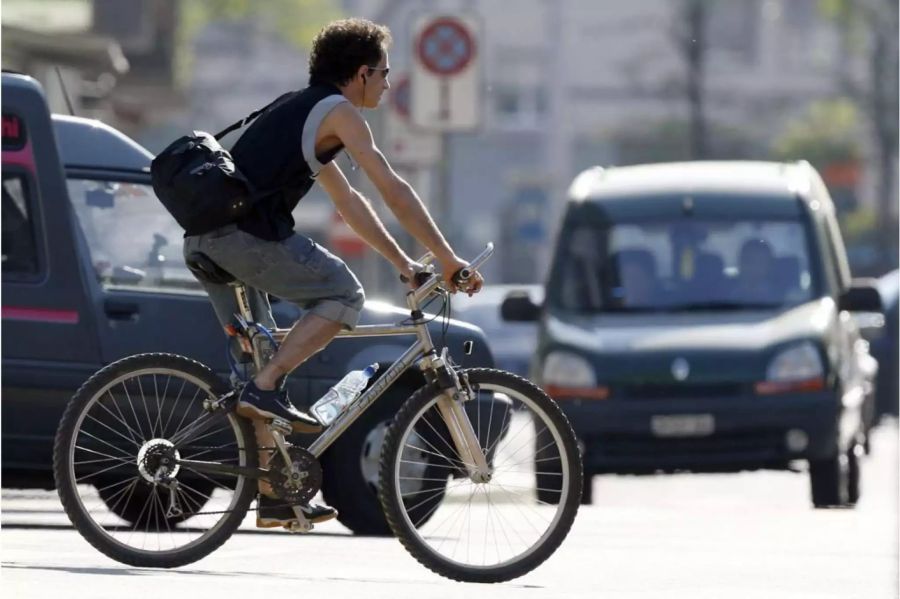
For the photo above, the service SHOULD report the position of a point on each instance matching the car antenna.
(62, 84)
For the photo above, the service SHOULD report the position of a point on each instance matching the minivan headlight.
(568, 375)
(796, 363)
(565, 369)
(798, 367)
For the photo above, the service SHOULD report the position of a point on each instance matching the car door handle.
(120, 309)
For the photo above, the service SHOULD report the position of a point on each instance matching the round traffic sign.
(446, 46)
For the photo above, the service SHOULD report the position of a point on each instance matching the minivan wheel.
(587, 490)
(853, 472)
(830, 481)
(547, 473)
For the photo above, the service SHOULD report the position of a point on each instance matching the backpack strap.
(249, 118)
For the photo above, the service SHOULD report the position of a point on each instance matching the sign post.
(446, 74)
(445, 85)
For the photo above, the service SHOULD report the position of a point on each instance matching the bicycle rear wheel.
(483, 531)
(124, 431)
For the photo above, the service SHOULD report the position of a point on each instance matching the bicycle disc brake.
(299, 481)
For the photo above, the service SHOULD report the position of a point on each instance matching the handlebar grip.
(462, 275)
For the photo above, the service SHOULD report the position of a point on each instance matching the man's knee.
(349, 290)
(345, 300)
(357, 299)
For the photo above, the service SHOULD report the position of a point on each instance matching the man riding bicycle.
(288, 148)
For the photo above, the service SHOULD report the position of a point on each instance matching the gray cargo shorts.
(297, 270)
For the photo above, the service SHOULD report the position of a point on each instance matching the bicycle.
(475, 456)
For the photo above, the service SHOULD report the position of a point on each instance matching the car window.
(134, 243)
(20, 254)
(684, 264)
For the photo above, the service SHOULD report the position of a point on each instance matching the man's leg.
(308, 335)
(303, 273)
(225, 305)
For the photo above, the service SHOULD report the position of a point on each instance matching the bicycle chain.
(256, 509)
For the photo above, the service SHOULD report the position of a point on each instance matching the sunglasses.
(386, 70)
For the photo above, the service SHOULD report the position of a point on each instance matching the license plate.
(683, 425)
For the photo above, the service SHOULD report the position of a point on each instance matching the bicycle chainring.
(298, 482)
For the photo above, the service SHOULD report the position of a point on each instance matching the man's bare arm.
(353, 131)
(357, 212)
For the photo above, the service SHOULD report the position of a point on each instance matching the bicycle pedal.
(299, 527)
(280, 425)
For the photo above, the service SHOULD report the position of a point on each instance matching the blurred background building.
(565, 84)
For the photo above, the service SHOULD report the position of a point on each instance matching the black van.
(696, 318)
(93, 271)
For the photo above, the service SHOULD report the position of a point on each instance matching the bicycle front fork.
(451, 406)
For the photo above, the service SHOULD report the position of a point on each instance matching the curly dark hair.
(341, 47)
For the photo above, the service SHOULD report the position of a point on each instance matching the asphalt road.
(678, 536)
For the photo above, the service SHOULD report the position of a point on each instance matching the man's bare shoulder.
(344, 114)
(347, 124)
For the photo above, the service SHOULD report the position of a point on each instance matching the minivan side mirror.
(862, 296)
(518, 307)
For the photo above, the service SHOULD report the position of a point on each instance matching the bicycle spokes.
(468, 522)
(130, 468)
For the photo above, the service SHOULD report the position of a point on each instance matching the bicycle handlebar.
(428, 280)
(477, 262)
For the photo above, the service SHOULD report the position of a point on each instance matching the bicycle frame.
(422, 351)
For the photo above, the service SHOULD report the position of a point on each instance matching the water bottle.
(342, 394)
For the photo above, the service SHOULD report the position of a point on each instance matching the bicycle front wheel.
(482, 531)
(117, 462)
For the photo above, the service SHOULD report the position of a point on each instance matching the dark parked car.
(697, 319)
(884, 347)
(93, 272)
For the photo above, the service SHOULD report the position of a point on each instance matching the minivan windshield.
(133, 242)
(684, 264)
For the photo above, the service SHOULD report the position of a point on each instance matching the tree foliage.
(827, 134)
(295, 21)
(869, 28)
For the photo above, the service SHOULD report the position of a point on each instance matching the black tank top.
(277, 152)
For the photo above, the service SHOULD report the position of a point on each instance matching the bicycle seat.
(205, 269)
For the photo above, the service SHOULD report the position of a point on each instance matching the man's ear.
(363, 72)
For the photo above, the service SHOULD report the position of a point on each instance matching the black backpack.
(197, 181)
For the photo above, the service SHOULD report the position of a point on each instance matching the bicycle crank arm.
(217, 468)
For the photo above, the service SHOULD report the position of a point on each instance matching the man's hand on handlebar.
(451, 270)
(457, 275)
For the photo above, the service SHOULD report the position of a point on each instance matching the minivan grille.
(681, 390)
